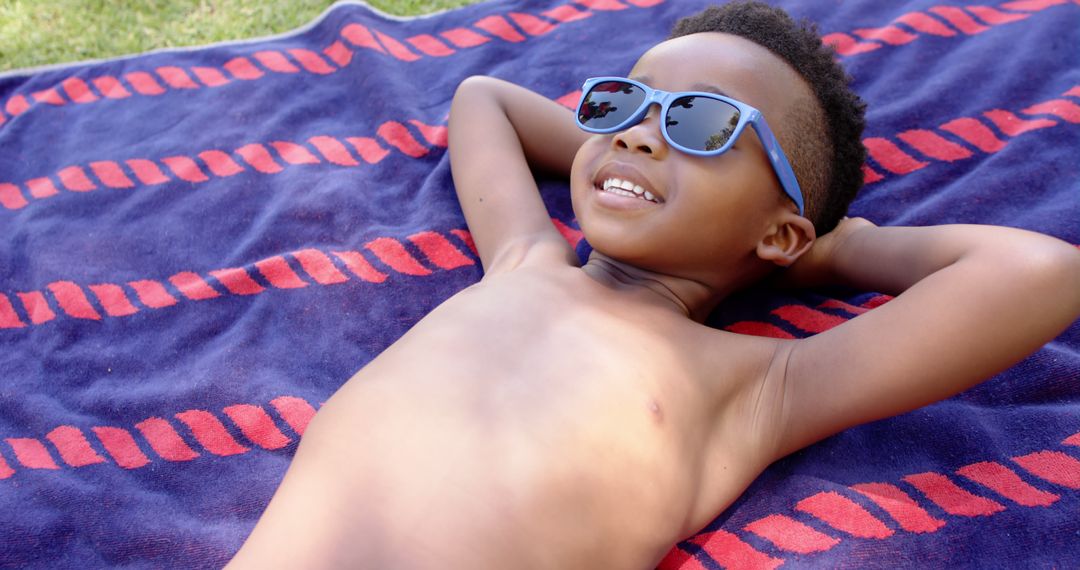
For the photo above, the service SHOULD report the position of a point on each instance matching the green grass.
(41, 32)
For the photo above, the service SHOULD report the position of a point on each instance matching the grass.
(41, 32)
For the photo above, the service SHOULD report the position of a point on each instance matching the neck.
(688, 297)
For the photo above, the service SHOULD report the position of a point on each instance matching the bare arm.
(972, 301)
(497, 130)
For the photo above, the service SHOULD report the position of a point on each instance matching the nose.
(644, 137)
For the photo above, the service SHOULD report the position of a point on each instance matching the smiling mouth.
(627, 189)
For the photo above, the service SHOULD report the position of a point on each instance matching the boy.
(552, 415)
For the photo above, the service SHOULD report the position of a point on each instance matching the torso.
(537, 419)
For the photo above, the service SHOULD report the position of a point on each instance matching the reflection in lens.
(609, 103)
(701, 123)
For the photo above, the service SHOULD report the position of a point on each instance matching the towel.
(201, 245)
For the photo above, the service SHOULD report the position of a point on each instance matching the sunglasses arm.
(778, 159)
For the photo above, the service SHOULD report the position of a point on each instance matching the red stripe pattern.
(732, 552)
(419, 254)
(787, 534)
(796, 321)
(295, 411)
(950, 497)
(360, 267)
(157, 438)
(963, 138)
(900, 506)
(393, 253)
(152, 294)
(74, 449)
(257, 426)
(73, 301)
(757, 328)
(791, 535)
(37, 307)
(74, 178)
(955, 140)
(1007, 483)
(316, 264)
(237, 281)
(121, 446)
(165, 441)
(511, 27)
(5, 469)
(843, 514)
(1053, 466)
(31, 453)
(272, 158)
(114, 300)
(9, 319)
(277, 271)
(192, 286)
(808, 319)
(937, 21)
(211, 433)
(440, 251)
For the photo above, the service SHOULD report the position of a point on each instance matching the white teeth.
(627, 188)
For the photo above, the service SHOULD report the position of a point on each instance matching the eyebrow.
(709, 88)
(696, 87)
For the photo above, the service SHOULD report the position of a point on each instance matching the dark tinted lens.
(700, 123)
(609, 103)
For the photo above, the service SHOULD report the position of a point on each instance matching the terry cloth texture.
(200, 246)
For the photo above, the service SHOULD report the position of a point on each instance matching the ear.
(790, 237)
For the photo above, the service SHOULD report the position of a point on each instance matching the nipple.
(656, 411)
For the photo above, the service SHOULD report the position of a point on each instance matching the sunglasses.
(697, 123)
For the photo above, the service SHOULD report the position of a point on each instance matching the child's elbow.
(1072, 261)
(473, 85)
(1056, 265)
(475, 97)
(471, 81)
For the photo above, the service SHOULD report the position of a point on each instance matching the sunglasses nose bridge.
(654, 97)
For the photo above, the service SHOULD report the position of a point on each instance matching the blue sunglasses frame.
(747, 116)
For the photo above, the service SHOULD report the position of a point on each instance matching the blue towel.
(201, 245)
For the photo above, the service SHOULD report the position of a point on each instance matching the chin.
(631, 252)
(619, 238)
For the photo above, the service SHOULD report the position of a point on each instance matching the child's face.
(710, 211)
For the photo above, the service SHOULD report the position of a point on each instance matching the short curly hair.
(828, 134)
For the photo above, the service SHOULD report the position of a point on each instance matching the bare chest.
(579, 414)
(550, 351)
